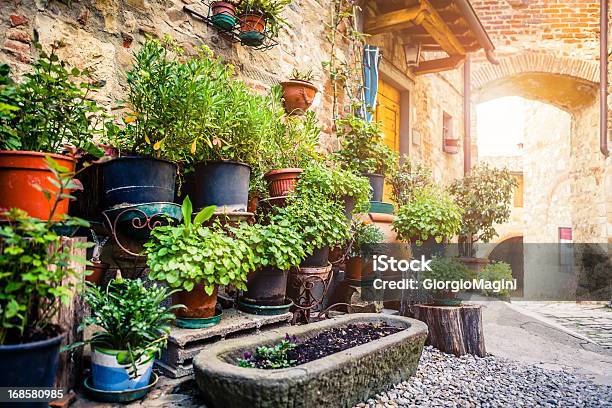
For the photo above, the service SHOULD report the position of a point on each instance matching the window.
(519, 190)
(447, 126)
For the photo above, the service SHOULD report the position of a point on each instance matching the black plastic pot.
(138, 180)
(319, 258)
(266, 287)
(30, 365)
(377, 184)
(221, 183)
(88, 203)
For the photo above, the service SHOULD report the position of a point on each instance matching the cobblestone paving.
(591, 320)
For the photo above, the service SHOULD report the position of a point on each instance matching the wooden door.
(388, 113)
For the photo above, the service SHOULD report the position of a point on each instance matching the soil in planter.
(331, 341)
(34, 334)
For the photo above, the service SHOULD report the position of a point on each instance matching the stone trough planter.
(338, 380)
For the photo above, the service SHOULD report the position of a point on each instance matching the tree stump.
(453, 329)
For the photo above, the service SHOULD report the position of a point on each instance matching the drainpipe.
(467, 117)
(603, 77)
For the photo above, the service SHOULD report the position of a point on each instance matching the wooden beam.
(439, 65)
(393, 21)
(439, 30)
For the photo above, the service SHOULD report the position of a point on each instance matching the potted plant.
(431, 214)
(288, 149)
(409, 178)
(364, 237)
(224, 14)
(485, 196)
(38, 275)
(451, 146)
(260, 18)
(196, 260)
(39, 117)
(133, 327)
(445, 269)
(364, 152)
(497, 273)
(161, 88)
(298, 92)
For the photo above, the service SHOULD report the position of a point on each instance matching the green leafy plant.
(49, 109)
(485, 196)
(336, 184)
(364, 238)
(266, 357)
(407, 179)
(132, 318)
(496, 272)
(188, 254)
(307, 76)
(36, 267)
(271, 10)
(431, 214)
(363, 148)
(447, 269)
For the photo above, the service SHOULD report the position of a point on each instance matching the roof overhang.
(451, 26)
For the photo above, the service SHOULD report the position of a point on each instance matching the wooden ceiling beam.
(439, 65)
(440, 31)
(393, 21)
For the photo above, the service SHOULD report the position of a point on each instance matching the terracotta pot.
(223, 7)
(98, 269)
(252, 22)
(451, 146)
(198, 303)
(252, 205)
(20, 171)
(298, 95)
(283, 181)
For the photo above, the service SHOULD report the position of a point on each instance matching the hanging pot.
(317, 259)
(198, 303)
(252, 27)
(298, 95)
(224, 184)
(224, 14)
(266, 287)
(108, 374)
(377, 184)
(138, 180)
(282, 182)
(20, 171)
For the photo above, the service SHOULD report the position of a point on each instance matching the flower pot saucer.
(119, 396)
(263, 310)
(199, 322)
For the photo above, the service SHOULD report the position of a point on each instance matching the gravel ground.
(443, 380)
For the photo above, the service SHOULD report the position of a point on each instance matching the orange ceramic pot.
(20, 171)
(198, 303)
(252, 22)
(281, 182)
(298, 95)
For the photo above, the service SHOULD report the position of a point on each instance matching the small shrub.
(497, 272)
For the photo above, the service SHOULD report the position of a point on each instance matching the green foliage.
(407, 179)
(336, 184)
(365, 236)
(48, 110)
(270, 357)
(485, 196)
(497, 272)
(307, 76)
(363, 148)
(430, 214)
(185, 255)
(34, 278)
(447, 269)
(271, 11)
(132, 319)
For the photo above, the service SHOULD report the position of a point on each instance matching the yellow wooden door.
(388, 113)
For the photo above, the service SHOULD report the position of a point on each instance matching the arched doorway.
(511, 252)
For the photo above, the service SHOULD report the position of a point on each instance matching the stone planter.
(338, 380)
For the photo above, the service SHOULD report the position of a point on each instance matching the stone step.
(185, 344)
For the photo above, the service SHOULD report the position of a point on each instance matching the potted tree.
(445, 269)
(298, 92)
(134, 329)
(364, 237)
(38, 275)
(485, 195)
(39, 117)
(161, 89)
(364, 152)
(260, 18)
(196, 260)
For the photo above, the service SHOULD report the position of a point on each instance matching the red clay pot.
(282, 181)
(298, 95)
(252, 22)
(223, 7)
(198, 303)
(356, 269)
(20, 171)
(98, 270)
(451, 146)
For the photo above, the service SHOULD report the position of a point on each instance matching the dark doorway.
(511, 252)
